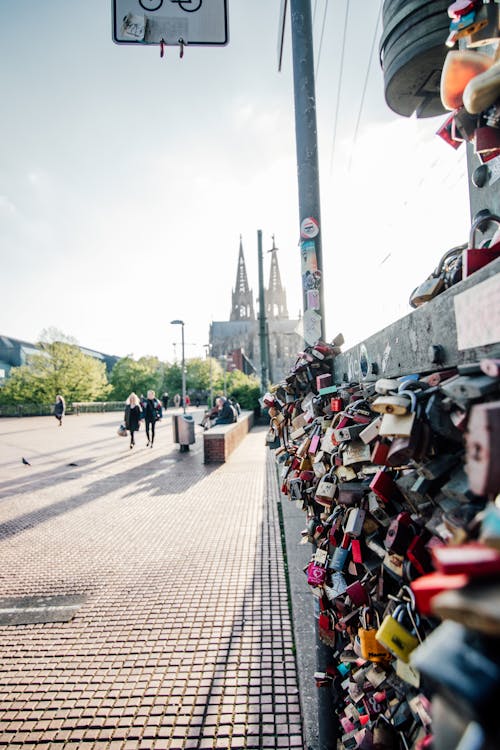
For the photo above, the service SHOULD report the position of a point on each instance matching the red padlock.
(336, 404)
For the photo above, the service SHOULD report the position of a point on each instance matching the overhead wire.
(321, 36)
(365, 86)
(339, 87)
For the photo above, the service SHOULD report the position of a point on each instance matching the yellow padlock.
(395, 637)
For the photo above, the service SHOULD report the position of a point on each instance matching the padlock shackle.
(477, 224)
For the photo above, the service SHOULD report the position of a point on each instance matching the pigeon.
(26, 463)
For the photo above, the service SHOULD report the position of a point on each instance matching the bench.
(220, 441)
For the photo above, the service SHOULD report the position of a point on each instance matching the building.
(14, 353)
(237, 339)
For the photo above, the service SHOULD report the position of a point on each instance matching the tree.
(60, 367)
(245, 389)
(128, 375)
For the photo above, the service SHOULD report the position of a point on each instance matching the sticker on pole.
(312, 327)
(309, 228)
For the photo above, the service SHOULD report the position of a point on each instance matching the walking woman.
(132, 416)
(152, 413)
(59, 409)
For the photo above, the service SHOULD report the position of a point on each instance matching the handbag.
(122, 431)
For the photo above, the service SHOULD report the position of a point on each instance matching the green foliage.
(245, 389)
(138, 376)
(60, 367)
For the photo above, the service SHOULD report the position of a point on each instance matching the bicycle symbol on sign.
(152, 5)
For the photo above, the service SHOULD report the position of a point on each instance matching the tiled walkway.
(184, 639)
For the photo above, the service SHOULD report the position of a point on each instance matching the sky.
(126, 179)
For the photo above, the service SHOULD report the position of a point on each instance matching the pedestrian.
(164, 399)
(188, 401)
(152, 414)
(177, 400)
(225, 412)
(59, 409)
(132, 417)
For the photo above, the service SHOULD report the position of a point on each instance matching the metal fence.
(44, 410)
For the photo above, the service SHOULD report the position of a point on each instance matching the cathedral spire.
(275, 293)
(242, 296)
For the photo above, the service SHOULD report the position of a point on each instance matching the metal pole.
(307, 170)
(262, 319)
(183, 374)
(311, 259)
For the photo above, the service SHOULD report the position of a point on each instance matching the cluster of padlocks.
(398, 479)
(470, 79)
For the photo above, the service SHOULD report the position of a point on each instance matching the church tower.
(275, 293)
(242, 296)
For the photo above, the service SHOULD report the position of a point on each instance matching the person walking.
(132, 416)
(59, 409)
(177, 400)
(164, 399)
(152, 414)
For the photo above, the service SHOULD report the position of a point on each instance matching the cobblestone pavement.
(182, 636)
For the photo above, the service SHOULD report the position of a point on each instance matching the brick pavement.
(184, 639)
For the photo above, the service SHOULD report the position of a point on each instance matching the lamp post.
(181, 323)
(209, 354)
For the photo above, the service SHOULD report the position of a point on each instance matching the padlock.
(326, 628)
(377, 511)
(326, 490)
(320, 468)
(370, 432)
(384, 735)
(316, 574)
(395, 636)
(482, 440)
(461, 8)
(399, 534)
(371, 649)
(466, 388)
(355, 452)
(488, 22)
(473, 559)
(451, 658)
(353, 521)
(350, 493)
(384, 386)
(336, 404)
(339, 557)
(384, 486)
(315, 441)
(391, 404)
(358, 593)
(348, 433)
(337, 586)
(323, 381)
(486, 140)
(345, 473)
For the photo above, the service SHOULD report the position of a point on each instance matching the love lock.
(475, 257)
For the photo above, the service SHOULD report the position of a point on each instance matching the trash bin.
(183, 428)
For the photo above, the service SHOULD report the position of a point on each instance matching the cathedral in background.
(237, 339)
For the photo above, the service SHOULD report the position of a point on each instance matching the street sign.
(170, 22)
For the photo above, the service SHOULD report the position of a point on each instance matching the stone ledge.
(220, 441)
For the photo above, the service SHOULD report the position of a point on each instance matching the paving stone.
(184, 629)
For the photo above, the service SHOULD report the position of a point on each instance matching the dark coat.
(152, 410)
(59, 409)
(132, 417)
(226, 415)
